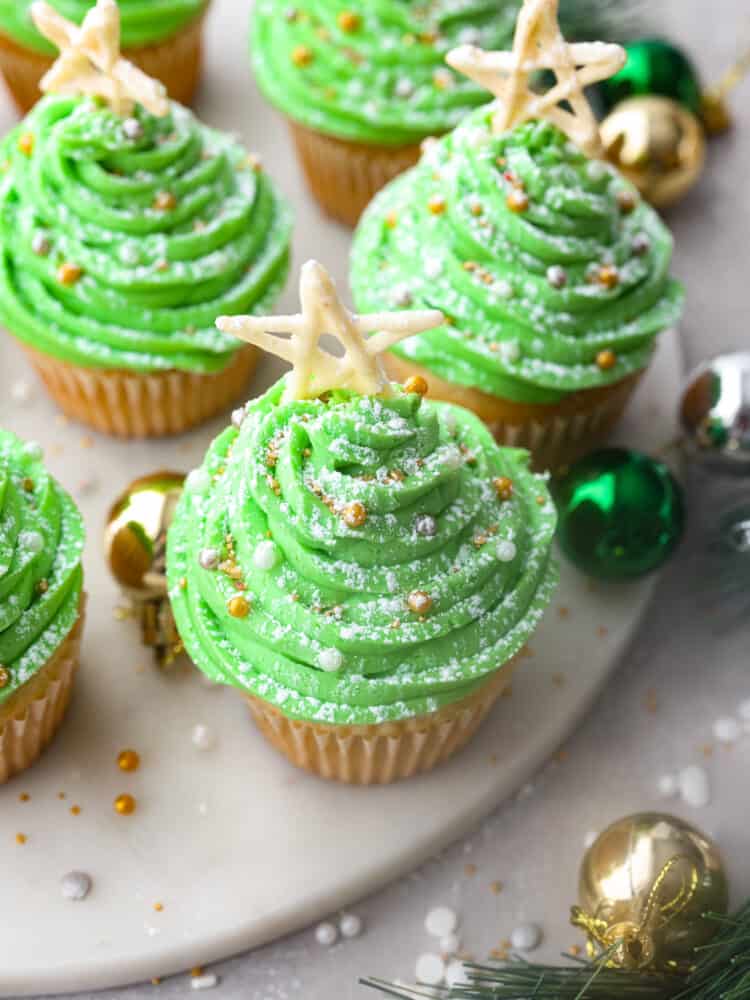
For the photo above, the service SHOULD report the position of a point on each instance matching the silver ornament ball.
(715, 412)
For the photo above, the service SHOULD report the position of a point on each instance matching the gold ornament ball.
(644, 885)
(657, 144)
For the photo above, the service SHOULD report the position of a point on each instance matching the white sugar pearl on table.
(727, 730)
(326, 934)
(526, 937)
(204, 982)
(667, 786)
(430, 969)
(694, 787)
(350, 925)
(440, 921)
(75, 885)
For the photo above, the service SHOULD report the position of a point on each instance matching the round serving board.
(235, 845)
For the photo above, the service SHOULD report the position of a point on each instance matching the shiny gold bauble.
(135, 542)
(644, 886)
(658, 144)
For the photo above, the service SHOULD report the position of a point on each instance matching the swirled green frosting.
(144, 22)
(381, 618)
(41, 539)
(533, 296)
(169, 224)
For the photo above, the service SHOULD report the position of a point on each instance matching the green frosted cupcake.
(41, 603)
(122, 241)
(163, 37)
(364, 567)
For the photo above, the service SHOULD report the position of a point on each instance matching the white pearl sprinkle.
(425, 525)
(132, 128)
(198, 480)
(727, 730)
(404, 87)
(326, 934)
(449, 944)
(350, 925)
(75, 885)
(441, 920)
(557, 276)
(430, 969)
(203, 737)
(205, 982)
(526, 937)
(503, 288)
(40, 244)
(667, 786)
(130, 253)
(509, 351)
(506, 551)
(238, 416)
(209, 558)
(694, 786)
(331, 660)
(265, 555)
(31, 540)
(33, 450)
(20, 391)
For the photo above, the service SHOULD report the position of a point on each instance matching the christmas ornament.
(658, 144)
(621, 514)
(715, 413)
(653, 66)
(135, 548)
(644, 885)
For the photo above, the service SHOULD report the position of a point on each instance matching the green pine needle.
(722, 972)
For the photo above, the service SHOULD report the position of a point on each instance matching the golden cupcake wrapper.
(381, 753)
(32, 715)
(556, 434)
(345, 176)
(176, 61)
(136, 405)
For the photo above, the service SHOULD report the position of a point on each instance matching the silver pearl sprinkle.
(208, 558)
(40, 244)
(425, 525)
(132, 129)
(557, 276)
(75, 885)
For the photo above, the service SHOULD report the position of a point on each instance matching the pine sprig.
(722, 972)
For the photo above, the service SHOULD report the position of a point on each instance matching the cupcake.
(364, 565)
(551, 271)
(163, 37)
(41, 603)
(124, 236)
(361, 84)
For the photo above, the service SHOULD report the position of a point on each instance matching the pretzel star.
(315, 371)
(538, 44)
(90, 61)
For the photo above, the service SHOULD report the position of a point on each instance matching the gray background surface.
(690, 660)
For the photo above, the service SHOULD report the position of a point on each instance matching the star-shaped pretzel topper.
(315, 371)
(539, 45)
(90, 61)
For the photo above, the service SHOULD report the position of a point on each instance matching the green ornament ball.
(621, 514)
(653, 66)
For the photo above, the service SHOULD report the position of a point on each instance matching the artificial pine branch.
(722, 972)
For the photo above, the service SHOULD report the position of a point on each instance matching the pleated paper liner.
(385, 752)
(136, 405)
(176, 61)
(32, 715)
(556, 434)
(345, 176)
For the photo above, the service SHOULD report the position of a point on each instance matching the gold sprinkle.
(606, 360)
(125, 805)
(541, 501)
(608, 276)
(503, 487)
(419, 602)
(627, 201)
(416, 384)
(24, 797)
(26, 144)
(165, 201)
(61, 795)
(354, 514)
(436, 204)
(602, 631)
(302, 55)
(496, 887)
(238, 607)
(21, 838)
(563, 612)
(68, 274)
(158, 907)
(517, 200)
(348, 21)
(196, 971)
(75, 810)
(391, 219)
(42, 586)
(128, 760)
(27, 484)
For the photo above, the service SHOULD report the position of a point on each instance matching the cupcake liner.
(176, 61)
(344, 176)
(32, 716)
(556, 434)
(381, 753)
(136, 405)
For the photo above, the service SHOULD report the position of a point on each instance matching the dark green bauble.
(653, 66)
(621, 514)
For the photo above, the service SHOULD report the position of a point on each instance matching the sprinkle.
(608, 276)
(430, 969)
(132, 129)
(158, 907)
(436, 204)
(694, 788)
(40, 244)
(506, 551)
(326, 934)
(416, 384)
(526, 937)
(667, 786)
(391, 219)
(202, 737)
(204, 982)
(75, 810)
(419, 602)
(31, 540)
(354, 514)
(330, 660)
(125, 805)
(606, 360)
(404, 88)
(443, 79)
(496, 888)
(238, 606)
(165, 201)
(208, 558)
(727, 730)
(26, 143)
(503, 487)
(75, 886)
(128, 760)
(21, 838)
(557, 276)
(68, 274)
(302, 55)
(350, 925)
(440, 921)
(348, 21)
(517, 200)
(627, 201)
(265, 555)
(641, 244)
(425, 525)
(24, 797)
